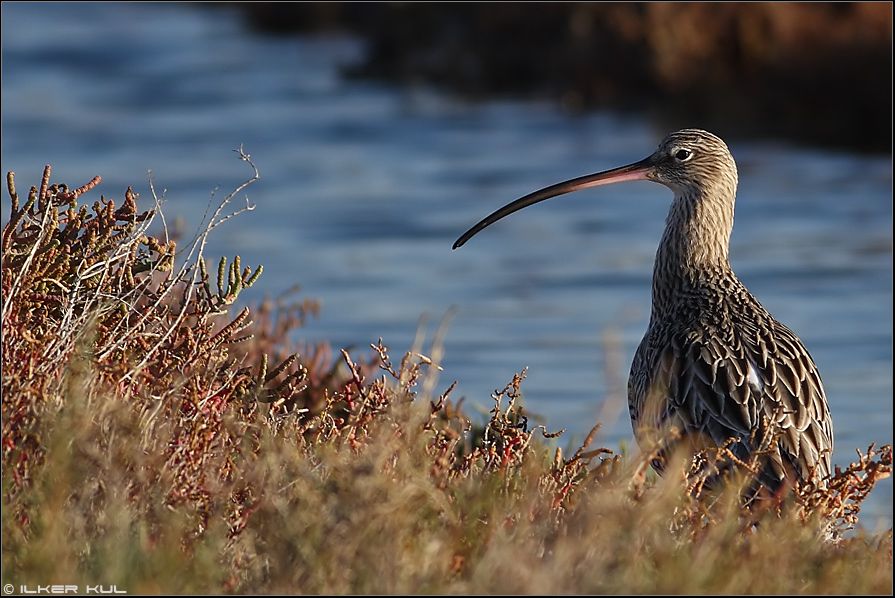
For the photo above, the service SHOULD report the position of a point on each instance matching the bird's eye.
(682, 155)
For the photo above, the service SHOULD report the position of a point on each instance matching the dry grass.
(153, 441)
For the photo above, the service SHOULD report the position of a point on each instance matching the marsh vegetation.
(158, 436)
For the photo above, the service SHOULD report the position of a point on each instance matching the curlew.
(714, 364)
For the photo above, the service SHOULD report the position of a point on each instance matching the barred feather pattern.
(713, 362)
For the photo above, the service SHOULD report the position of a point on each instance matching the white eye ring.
(682, 154)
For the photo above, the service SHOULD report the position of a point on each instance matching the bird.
(714, 366)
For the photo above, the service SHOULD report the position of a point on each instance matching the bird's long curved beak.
(632, 172)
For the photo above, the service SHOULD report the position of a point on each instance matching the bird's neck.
(694, 248)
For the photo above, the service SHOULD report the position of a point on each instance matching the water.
(365, 187)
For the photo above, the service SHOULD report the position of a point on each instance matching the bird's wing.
(792, 388)
(747, 385)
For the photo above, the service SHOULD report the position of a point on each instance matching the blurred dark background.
(806, 71)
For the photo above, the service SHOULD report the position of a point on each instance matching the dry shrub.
(154, 441)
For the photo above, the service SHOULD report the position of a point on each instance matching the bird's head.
(691, 160)
(688, 162)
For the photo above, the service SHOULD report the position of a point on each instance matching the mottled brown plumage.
(714, 364)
